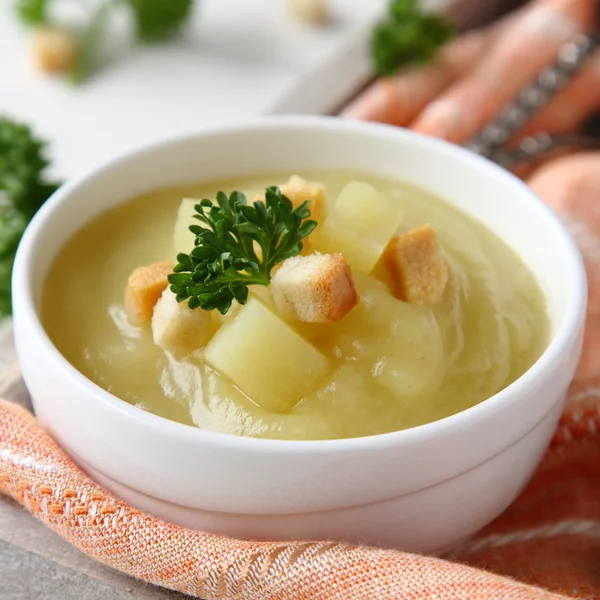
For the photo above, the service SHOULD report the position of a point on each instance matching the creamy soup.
(388, 364)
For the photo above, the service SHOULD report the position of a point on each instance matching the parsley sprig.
(154, 21)
(33, 12)
(407, 36)
(23, 189)
(224, 261)
(158, 20)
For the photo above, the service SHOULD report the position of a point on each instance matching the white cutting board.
(239, 58)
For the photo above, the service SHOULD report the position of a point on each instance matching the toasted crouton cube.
(54, 49)
(317, 288)
(417, 266)
(298, 190)
(144, 287)
(177, 328)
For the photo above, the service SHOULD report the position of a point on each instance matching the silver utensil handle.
(571, 58)
(536, 147)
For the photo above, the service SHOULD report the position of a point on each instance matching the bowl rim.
(564, 336)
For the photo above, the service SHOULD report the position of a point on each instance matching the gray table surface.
(35, 563)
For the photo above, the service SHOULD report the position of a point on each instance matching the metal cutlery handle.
(571, 58)
(535, 147)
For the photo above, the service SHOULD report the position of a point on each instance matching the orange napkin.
(549, 538)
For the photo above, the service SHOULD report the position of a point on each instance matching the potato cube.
(177, 328)
(183, 238)
(261, 292)
(54, 50)
(360, 226)
(265, 358)
(417, 266)
(144, 287)
(314, 289)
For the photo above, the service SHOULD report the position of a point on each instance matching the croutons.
(417, 266)
(54, 50)
(144, 287)
(317, 288)
(310, 11)
(177, 328)
(298, 190)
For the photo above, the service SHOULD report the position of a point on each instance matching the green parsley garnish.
(154, 21)
(224, 262)
(23, 189)
(158, 20)
(33, 12)
(408, 36)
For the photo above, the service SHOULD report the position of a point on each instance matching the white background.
(238, 58)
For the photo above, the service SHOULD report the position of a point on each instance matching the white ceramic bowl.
(422, 489)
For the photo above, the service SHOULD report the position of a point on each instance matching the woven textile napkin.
(546, 546)
(550, 537)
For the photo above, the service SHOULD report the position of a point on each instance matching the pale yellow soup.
(392, 365)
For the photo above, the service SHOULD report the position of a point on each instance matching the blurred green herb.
(33, 12)
(155, 21)
(23, 189)
(158, 20)
(407, 36)
(88, 44)
(224, 261)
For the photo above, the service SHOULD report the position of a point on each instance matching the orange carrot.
(398, 100)
(571, 186)
(522, 51)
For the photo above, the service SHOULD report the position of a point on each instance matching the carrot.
(521, 52)
(398, 100)
(571, 186)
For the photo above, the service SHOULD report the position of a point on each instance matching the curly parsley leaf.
(408, 36)
(224, 261)
(12, 226)
(22, 162)
(23, 189)
(154, 20)
(158, 20)
(33, 12)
